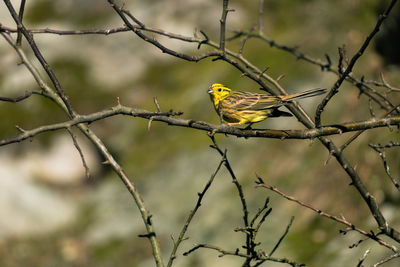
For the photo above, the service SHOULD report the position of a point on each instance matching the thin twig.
(237, 253)
(191, 215)
(381, 151)
(384, 84)
(387, 259)
(85, 166)
(283, 236)
(260, 211)
(164, 49)
(360, 261)
(236, 183)
(20, 98)
(354, 137)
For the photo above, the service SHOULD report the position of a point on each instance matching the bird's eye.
(219, 89)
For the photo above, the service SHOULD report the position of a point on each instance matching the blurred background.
(51, 214)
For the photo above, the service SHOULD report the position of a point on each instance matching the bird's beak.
(210, 90)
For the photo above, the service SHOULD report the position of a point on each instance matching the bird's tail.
(305, 94)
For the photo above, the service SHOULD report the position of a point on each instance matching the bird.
(246, 108)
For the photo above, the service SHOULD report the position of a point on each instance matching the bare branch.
(354, 137)
(41, 59)
(69, 32)
(237, 253)
(20, 98)
(153, 41)
(360, 262)
(191, 215)
(380, 149)
(384, 84)
(342, 220)
(169, 118)
(283, 236)
(236, 183)
(87, 172)
(89, 118)
(335, 89)
(387, 259)
(62, 103)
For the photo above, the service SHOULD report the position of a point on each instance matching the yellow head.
(218, 92)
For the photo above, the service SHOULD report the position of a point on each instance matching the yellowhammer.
(238, 108)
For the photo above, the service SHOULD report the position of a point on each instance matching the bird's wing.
(252, 101)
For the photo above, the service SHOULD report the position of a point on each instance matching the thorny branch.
(243, 255)
(39, 56)
(335, 89)
(387, 259)
(191, 214)
(238, 61)
(381, 151)
(342, 220)
(237, 184)
(254, 73)
(170, 118)
(62, 101)
(87, 172)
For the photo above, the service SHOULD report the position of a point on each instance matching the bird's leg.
(221, 118)
(248, 127)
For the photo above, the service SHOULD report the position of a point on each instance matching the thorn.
(20, 129)
(280, 77)
(157, 105)
(149, 124)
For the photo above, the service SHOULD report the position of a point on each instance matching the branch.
(360, 261)
(157, 44)
(357, 134)
(87, 172)
(380, 149)
(41, 59)
(385, 260)
(20, 98)
(191, 215)
(170, 119)
(335, 89)
(237, 253)
(63, 104)
(80, 119)
(381, 100)
(222, 21)
(283, 236)
(384, 84)
(238, 187)
(260, 183)
(69, 32)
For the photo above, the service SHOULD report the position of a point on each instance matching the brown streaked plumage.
(238, 108)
